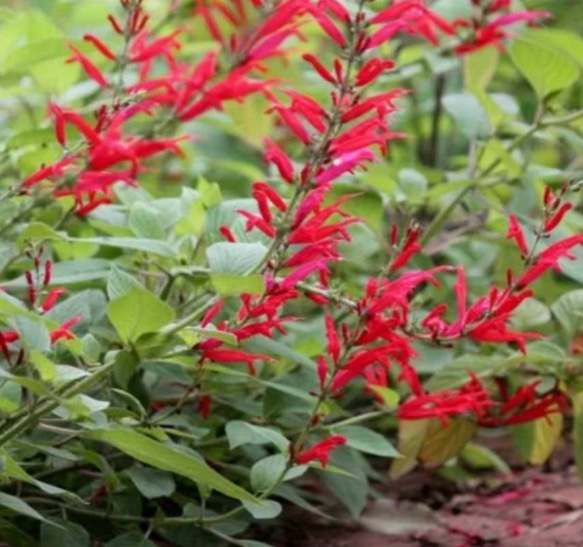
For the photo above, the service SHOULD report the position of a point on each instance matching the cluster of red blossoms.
(305, 228)
(41, 298)
(490, 22)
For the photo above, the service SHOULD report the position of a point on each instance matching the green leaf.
(235, 258)
(46, 368)
(240, 433)
(442, 442)
(413, 183)
(266, 472)
(67, 534)
(252, 543)
(36, 52)
(215, 334)
(37, 232)
(457, 373)
(138, 312)
(151, 452)
(368, 441)
(130, 539)
(229, 284)
(481, 457)
(10, 396)
(479, 68)
(119, 283)
(568, 43)
(351, 490)
(13, 536)
(14, 471)
(262, 344)
(33, 334)
(568, 309)
(10, 306)
(152, 483)
(135, 244)
(124, 367)
(468, 114)
(389, 396)
(145, 221)
(531, 313)
(536, 440)
(411, 436)
(19, 506)
(546, 68)
(264, 510)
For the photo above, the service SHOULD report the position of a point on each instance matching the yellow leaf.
(411, 436)
(536, 440)
(444, 442)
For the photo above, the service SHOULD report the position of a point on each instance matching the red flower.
(549, 259)
(320, 451)
(91, 69)
(64, 330)
(334, 346)
(52, 298)
(515, 232)
(234, 356)
(277, 156)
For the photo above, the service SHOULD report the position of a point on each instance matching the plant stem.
(445, 213)
(29, 420)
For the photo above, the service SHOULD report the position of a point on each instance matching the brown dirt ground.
(530, 508)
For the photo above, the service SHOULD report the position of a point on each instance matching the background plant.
(212, 218)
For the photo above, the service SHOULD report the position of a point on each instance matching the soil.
(529, 508)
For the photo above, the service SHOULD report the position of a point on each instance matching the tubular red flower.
(515, 232)
(276, 155)
(52, 298)
(321, 451)
(100, 46)
(235, 356)
(91, 69)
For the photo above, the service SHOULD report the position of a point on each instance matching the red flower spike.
(321, 451)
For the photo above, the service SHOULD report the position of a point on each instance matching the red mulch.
(531, 508)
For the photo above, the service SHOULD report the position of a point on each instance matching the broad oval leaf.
(546, 68)
(138, 312)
